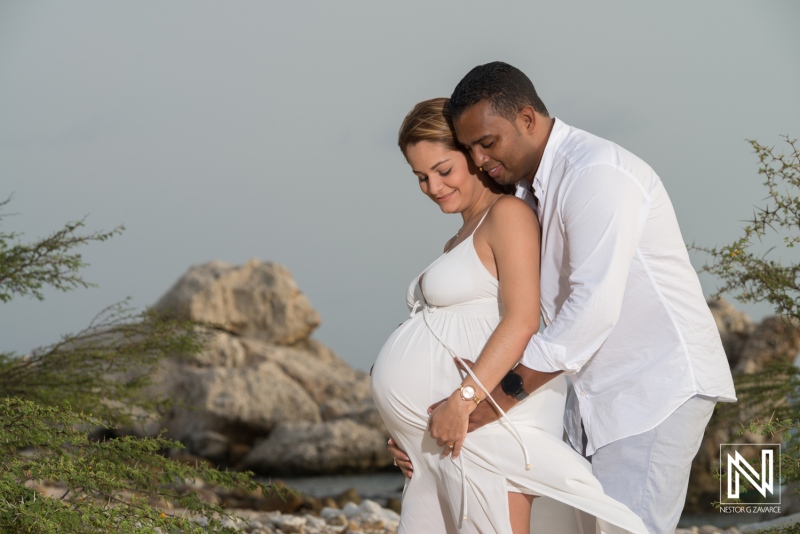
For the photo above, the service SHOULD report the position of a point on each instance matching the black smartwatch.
(512, 385)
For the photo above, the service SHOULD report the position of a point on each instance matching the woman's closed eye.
(423, 178)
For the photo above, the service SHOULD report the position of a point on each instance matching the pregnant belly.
(413, 369)
(412, 372)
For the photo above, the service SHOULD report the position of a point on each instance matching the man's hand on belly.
(400, 458)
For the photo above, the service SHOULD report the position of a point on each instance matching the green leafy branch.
(122, 484)
(752, 276)
(105, 368)
(52, 400)
(26, 268)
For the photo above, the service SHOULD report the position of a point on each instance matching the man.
(624, 313)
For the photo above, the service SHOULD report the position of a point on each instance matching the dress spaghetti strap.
(484, 216)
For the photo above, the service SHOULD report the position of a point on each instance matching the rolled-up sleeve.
(603, 211)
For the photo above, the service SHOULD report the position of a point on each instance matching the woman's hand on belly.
(449, 421)
(485, 413)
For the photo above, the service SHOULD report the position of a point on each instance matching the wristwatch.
(468, 394)
(512, 385)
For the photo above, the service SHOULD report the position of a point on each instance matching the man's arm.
(603, 216)
(486, 413)
(531, 380)
(603, 213)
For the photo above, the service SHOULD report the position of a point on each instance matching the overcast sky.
(237, 130)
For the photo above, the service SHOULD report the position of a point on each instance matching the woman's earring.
(480, 168)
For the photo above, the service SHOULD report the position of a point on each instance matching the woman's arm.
(508, 244)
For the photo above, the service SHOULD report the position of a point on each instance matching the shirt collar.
(557, 134)
(525, 194)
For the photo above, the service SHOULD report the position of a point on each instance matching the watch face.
(511, 383)
(467, 392)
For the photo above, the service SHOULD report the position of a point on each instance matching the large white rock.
(235, 400)
(257, 299)
(328, 447)
(734, 327)
(774, 339)
(221, 350)
(322, 374)
(261, 382)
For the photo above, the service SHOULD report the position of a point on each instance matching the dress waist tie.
(426, 309)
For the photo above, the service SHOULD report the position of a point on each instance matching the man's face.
(503, 148)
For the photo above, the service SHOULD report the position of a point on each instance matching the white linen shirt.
(624, 312)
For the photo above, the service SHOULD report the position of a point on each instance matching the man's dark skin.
(509, 151)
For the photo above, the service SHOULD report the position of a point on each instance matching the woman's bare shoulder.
(509, 208)
(509, 218)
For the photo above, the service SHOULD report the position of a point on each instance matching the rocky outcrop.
(734, 327)
(772, 340)
(263, 394)
(258, 300)
(303, 447)
(749, 348)
(253, 398)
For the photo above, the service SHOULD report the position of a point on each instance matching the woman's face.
(445, 175)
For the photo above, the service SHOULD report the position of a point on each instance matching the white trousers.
(649, 472)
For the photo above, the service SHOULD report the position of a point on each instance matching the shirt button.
(582, 393)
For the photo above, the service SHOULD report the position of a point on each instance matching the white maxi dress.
(455, 306)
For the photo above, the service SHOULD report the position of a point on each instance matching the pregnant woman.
(478, 302)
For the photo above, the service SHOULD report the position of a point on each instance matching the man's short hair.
(506, 88)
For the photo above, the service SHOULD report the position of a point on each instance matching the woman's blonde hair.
(430, 120)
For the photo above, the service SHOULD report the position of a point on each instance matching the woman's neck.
(484, 200)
